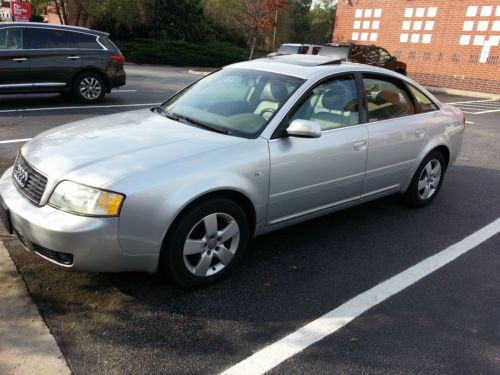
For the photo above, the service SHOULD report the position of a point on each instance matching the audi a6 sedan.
(253, 147)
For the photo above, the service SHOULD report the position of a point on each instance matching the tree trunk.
(254, 42)
(58, 11)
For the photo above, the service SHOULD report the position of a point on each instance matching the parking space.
(445, 322)
(479, 107)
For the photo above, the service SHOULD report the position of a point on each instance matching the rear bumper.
(117, 80)
(71, 241)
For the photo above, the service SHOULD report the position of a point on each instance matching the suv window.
(50, 39)
(358, 54)
(372, 55)
(86, 41)
(332, 105)
(384, 56)
(425, 104)
(11, 38)
(386, 99)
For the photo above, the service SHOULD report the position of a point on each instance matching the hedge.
(179, 53)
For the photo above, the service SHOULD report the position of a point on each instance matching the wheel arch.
(234, 195)
(95, 71)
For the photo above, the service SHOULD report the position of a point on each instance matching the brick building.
(446, 43)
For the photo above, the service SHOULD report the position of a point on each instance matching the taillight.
(118, 58)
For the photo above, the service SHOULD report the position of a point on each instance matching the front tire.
(427, 181)
(89, 88)
(206, 243)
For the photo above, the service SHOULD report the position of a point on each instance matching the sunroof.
(303, 60)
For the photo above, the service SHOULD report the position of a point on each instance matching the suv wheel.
(427, 180)
(89, 88)
(206, 243)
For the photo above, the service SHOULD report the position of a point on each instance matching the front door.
(14, 61)
(314, 174)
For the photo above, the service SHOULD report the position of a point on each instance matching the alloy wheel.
(211, 244)
(429, 179)
(90, 88)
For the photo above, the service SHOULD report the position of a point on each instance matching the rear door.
(396, 133)
(14, 60)
(56, 58)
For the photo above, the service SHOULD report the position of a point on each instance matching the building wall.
(440, 40)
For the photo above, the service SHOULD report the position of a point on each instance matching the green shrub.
(179, 53)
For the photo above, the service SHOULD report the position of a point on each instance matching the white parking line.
(274, 354)
(118, 91)
(79, 107)
(15, 141)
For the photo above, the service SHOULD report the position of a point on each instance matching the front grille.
(28, 180)
(61, 258)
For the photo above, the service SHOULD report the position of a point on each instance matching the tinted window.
(11, 38)
(386, 99)
(425, 104)
(332, 105)
(86, 41)
(384, 56)
(50, 39)
(358, 55)
(334, 52)
(372, 55)
(287, 49)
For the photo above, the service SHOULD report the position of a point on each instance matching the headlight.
(85, 200)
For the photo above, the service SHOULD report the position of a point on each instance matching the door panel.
(14, 60)
(57, 57)
(396, 134)
(308, 175)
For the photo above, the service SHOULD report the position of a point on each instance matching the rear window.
(50, 39)
(86, 41)
(335, 52)
(288, 50)
(109, 44)
(11, 38)
(425, 104)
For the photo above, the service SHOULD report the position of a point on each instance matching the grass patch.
(179, 53)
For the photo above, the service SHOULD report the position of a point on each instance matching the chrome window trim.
(48, 84)
(16, 85)
(54, 28)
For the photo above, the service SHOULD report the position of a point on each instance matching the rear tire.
(89, 88)
(427, 181)
(206, 243)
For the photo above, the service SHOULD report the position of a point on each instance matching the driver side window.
(11, 38)
(332, 105)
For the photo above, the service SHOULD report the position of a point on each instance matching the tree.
(322, 21)
(258, 16)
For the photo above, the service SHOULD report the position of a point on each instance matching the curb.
(26, 344)
(474, 94)
(200, 72)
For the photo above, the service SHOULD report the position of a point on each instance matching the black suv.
(364, 54)
(41, 58)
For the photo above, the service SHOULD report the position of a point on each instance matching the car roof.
(55, 27)
(304, 66)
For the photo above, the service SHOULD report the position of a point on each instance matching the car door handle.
(20, 59)
(420, 133)
(73, 57)
(360, 145)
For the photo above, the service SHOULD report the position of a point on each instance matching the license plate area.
(5, 217)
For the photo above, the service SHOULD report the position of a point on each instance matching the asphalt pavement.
(446, 323)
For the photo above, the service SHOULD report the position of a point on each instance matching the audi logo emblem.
(21, 175)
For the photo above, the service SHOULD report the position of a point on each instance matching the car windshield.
(238, 102)
(334, 52)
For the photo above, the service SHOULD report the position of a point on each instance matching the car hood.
(99, 150)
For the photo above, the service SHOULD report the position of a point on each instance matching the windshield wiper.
(166, 113)
(201, 124)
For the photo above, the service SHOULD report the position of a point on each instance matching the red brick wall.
(441, 57)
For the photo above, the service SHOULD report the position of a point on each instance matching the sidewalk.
(26, 345)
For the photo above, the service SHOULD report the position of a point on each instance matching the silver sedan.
(254, 147)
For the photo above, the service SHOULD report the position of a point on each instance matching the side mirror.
(304, 129)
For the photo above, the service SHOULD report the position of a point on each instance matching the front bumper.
(72, 241)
